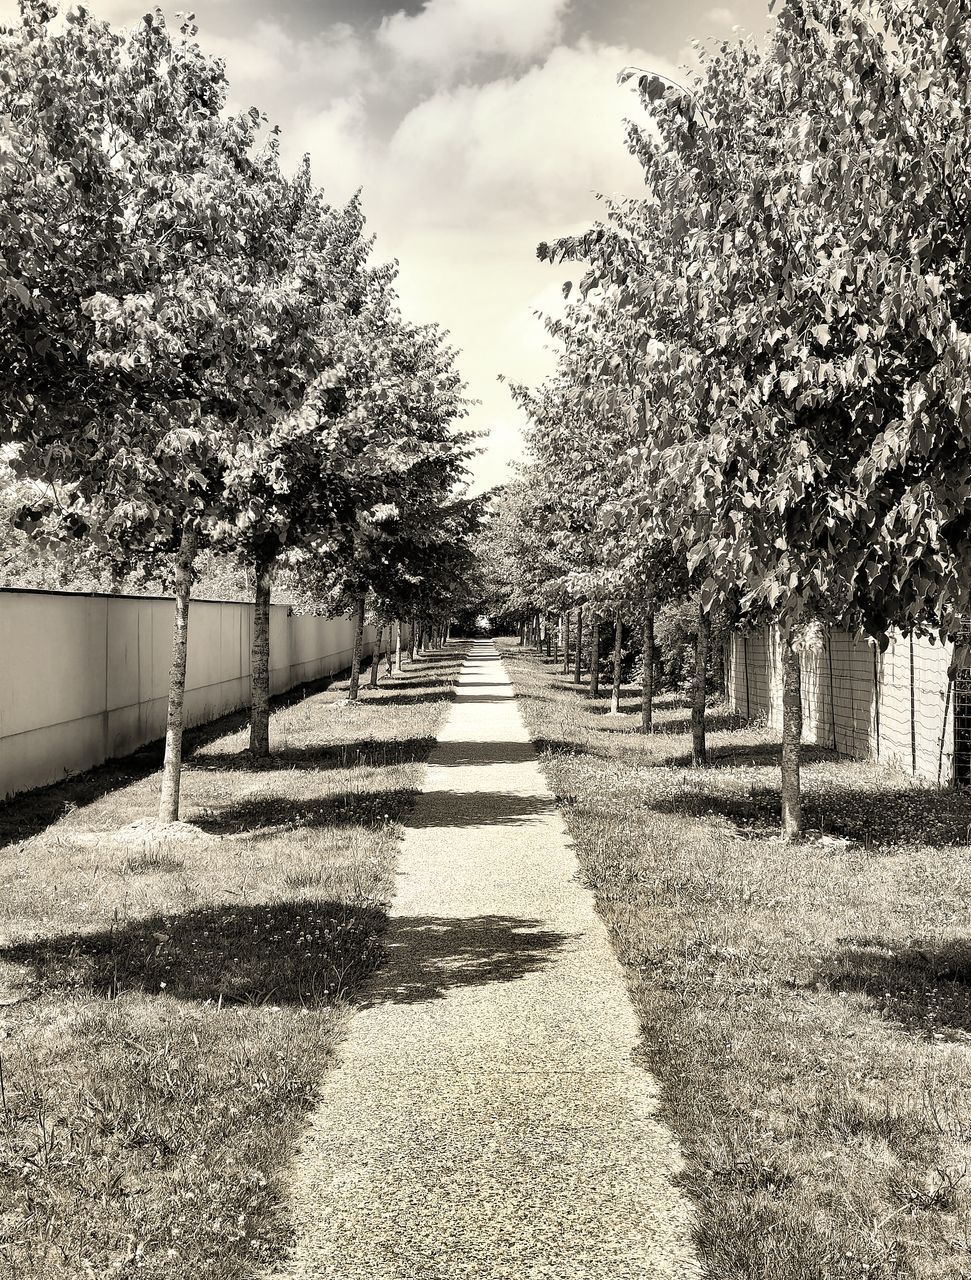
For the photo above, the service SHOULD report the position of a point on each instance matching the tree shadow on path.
(446, 809)
(464, 754)
(428, 956)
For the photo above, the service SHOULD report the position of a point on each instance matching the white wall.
(84, 678)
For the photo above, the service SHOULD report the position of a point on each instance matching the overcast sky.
(477, 128)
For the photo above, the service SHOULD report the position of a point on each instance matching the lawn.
(167, 1011)
(806, 1009)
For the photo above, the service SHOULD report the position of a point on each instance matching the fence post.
(832, 690)
(947, 707)
(748, 699)
(913, 711)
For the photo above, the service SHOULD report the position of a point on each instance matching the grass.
(806, 1009)
(167, 1010)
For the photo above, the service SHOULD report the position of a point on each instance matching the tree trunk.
(376, 660)
(578, 670)
(791, 740)
(566, 643)
(522, 633)
(549, 639)
(259, 723)
(699, 688)
(594, 656)
(168, 805)
(398, 653)
(618, 654)
(647, 685)
(355, 684)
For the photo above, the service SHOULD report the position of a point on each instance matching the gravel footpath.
(487, 1119)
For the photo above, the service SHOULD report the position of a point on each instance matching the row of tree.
(762, 392)
(201, 355)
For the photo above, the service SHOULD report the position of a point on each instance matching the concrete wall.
(893, 707)
(84, 678)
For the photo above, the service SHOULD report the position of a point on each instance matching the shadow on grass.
(367, 753)
(564, 747)
(431, 663)
(293, 953)
(299, 952)
(753, 755)
(875, 819)
(438, 692)
(719, 722)
(253, 815)
(924, 987)
(370, 753)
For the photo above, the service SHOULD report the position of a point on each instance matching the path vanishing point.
(487, 1118)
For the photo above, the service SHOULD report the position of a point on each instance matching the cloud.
(450, 35)
(313, 69)
(343, 154)
(524, 150)
(722, 17)
(470, 181)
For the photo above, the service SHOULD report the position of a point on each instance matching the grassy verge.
(166, 1011)
(806, 1009)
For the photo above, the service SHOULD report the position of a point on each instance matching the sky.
(476, 128)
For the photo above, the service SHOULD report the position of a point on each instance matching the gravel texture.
(488, 1119)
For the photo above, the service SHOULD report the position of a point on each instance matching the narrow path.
(487, 1119)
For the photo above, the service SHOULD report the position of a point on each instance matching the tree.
(142, 312)
(304, 476)
(405, 391)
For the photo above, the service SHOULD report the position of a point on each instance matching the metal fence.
(906, 707)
